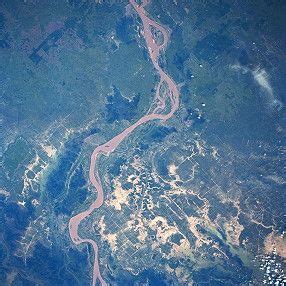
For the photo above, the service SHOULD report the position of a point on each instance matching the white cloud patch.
(261, 77)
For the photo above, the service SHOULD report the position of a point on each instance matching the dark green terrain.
(196, 200)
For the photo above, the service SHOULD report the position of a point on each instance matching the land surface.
(142, 142)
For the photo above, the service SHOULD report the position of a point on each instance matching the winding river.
(167, 100)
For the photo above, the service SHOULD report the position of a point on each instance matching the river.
(160, 102)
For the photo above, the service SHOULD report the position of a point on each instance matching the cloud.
(261, 77)
(238, 67)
